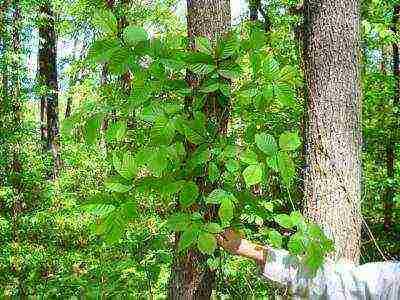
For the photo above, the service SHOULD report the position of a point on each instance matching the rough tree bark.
(48, 78)
(391, 146)
(333, 138)
(190, 278)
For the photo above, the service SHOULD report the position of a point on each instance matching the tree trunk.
(48, 78)
(253, 6)
(391, 147)
(190, 276)
(333, 137)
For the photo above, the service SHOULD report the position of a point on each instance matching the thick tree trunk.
(190, 277)
(391, 147)
(48, 78)
(333, 138)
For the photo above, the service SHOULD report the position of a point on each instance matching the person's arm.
(236, 244)
(276, 264)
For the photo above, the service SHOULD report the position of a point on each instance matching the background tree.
(333, 137)
(48, 79)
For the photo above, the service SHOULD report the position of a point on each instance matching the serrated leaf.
(189, 194)
(225, 211)
(188, 237)
(179, 222)
(203, 45)
(133, 35)
(206, 243)
(289, 141)
(253, 174)
(249, 157)
(266, 143)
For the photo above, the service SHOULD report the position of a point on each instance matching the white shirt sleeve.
(334, 280)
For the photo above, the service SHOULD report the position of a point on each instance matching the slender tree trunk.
(3, 62)
(253, 6)
(72, 81)
(391, 146)
(333, 139)
(190, 276)
(48, 78)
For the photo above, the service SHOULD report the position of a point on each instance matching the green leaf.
(179, 222)
(113, 185)
(266, 143)
(249, 157)
(102, 50)
(92, 127)
(213, 172)
(106, 21)
(286, 168)
(297, 218)
(202, 69)
(285, 94)
(232, 165)
(133, 35)
(228, 46)
(188, 237)
(206, 243)
(116, 131)
(112, 227)
(217, 196)
(225, 211)
(295, 244)
(284, 220)
(127, 168)
(271, 68)
(225, 89)
(275, 239)
(203, 45)
(210, 88)
(189, 194)
(213, 228)
(163, 130)
(289, 141)
(273, 163)
(253, 174)
(158, 161)
(232, 73)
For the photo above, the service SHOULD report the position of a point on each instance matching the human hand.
(230, 240)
